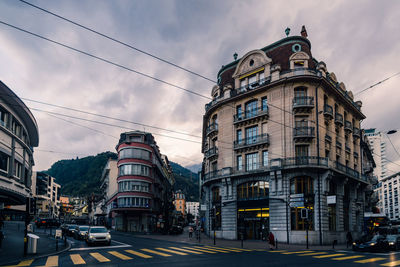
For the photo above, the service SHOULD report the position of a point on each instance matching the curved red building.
(145, 182)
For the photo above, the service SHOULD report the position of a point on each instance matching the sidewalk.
(251, 244)
(12, 249)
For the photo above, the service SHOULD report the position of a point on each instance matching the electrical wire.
(117, 41)
(393, 145)
(380, 82)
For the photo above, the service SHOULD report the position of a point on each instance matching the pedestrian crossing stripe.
(172, 251)
(77, 259)
(329, 255)
(52, 261)
(99, 257)
(23, 263)
(226, 249)
(392, 263)
(186, 250)
(119, 255)
(279, 251)
(312, 254)
(347, 258)
(156, 252)
(370, 260)
(242, 249)
(214, 249)
(202, 250)
(297, 252)
(139, 254)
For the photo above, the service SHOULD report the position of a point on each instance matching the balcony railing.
(347, 170)
(328, 110)
(212, 128)
(251, 141)
(304, 132)
(328, 138)
(303, 102)
(355, 154)
(252, 86)
(249, 114)
(339, 118)
(347, 126)
(338, 144)
(217, 174)
(211, 152)
(356, 132)
(347, 149)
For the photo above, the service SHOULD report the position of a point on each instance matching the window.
(239, 112)
(242, 84)
(133, 202)
(17, 169)
(302, 185)
(265, 158)
(239, 163)
(16, 128)
(301, 154)
(4, 161)
(262, 76)
(134, 169)
(300, 92)
(125, 186)
(239, 136)
(135, 153)
(216, 204)
(264, 103)
(135, 138)
(251, 109)
(251, 161)
(251, 135)
(253, 190)
(252, 81)
(4, 115)
(332, 217)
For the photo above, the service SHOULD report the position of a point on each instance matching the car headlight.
(372, 244)
(108, 236)
(91, 237)
(354, 243)
(391, 243)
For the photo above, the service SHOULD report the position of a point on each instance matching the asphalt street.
(128, 250)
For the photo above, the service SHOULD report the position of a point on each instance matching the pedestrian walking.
(271, 241)
(349, 239)
(190, 231)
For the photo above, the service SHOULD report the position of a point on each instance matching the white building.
(193, 208)
(389, 195)
(47, 193)
(378, 147)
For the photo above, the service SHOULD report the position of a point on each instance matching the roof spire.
(287, 31)
(304, 31)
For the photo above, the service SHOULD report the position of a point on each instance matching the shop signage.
(296, 200)
(331, 200)
(203, 207)
(296, 204)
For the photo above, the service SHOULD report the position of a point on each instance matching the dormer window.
(298, 64)
(299, 60)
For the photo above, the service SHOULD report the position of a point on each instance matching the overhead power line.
(378, 83)
(118, 41)
(105, 60)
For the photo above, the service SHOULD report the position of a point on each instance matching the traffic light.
(212, 212)
(32, 205)
(304, 213)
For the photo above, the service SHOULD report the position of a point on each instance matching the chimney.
(304, 31)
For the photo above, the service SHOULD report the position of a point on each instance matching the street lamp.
(391, 132)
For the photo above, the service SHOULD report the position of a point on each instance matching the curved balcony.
(328, 111)
(212, 152)
(339, 119)
(348, 127)
(217, 174)
(251, 116)
(252, 142)
(303, 133)
(356, 132)
(212, 129)
(303, 104)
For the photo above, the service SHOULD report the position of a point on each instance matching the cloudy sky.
(358, 40)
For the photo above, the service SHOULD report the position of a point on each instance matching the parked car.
(98, 234)
(80, 231)
(377, 243)
(71, 229)
(176, 230)
(393, 242)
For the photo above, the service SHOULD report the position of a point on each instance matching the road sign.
(58, 233)
(296, 204)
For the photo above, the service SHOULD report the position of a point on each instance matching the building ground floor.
(289, 203)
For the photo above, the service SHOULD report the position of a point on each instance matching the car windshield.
(376, 238)
(71, 226)
(83, 228)
(391, 238)
(98, 230)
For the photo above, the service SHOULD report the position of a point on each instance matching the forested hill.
(81, 176)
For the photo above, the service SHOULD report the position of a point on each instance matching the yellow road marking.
(52, 261)
(172, 251)
(187, 250)
(226, 249)
(139, 254)
(243, 249)
(77, 259)
(392, 263)
(329, 256)
(99, 257)
(348, 258)
(277, 250)
(214, 249)
(312, 254)
(371, 260)
(23, 263)
(156, 252)
(119, 255)
(297, 252)
(202, 250)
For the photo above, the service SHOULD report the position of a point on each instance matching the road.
(127, 250)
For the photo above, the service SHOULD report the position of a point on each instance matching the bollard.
(56, 243)
(276, 243)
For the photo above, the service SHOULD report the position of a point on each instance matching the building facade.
(280, 135)
(18, 135)
(378, 148)
(388, 192)
(109, 188)
(47, 195)
(144, 198)
(180, 202)
(193, 208)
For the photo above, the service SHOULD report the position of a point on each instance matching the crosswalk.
(111, 256)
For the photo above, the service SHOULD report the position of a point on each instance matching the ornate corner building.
(282, 134)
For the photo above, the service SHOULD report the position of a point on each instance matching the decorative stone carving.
(299, 56)
(342, 86)
(215, 91)
(253, 60)
(333, 77)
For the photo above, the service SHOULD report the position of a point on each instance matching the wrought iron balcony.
(356, 132)
(355, 154)
(217, 174)
(251, 86)
(338, 144)
(262, 139)
(347, 149)
(211, 152)
(347, 170)
(328, 138)
(303, 132)
(339, 119)
(348, 127)
(212, 128)
(328, 111)
(303, 103)
(250, 114)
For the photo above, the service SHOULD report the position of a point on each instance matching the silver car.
(98, 234)
(81, 231)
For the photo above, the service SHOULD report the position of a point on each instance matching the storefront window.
(302, 185)
(216, 204)
(253, 190)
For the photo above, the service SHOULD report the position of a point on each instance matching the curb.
(40, 256)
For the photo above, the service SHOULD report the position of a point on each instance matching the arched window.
(253, 190)
(303, 188)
